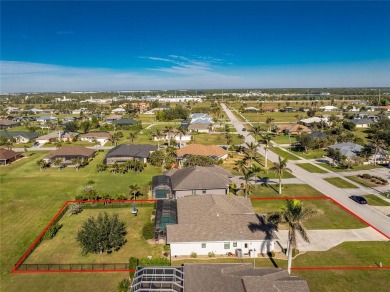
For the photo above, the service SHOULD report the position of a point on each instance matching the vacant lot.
(64, 248)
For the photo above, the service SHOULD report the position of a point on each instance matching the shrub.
(153, 262)
(167, 247)
(211, 254)
(52, 231)
(194, 255)
(133, 263)
(148, 231)
(75, 209)
(124, 285)
(103, 233)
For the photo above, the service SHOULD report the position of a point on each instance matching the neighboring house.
(329, 108)
(124, 122)
(270, 108)
(294, 129)
(57, 136)
(101, 137)
(46, 119)
(219, 224)
(66, 120)
(348, 149)
(318, 135)
(212, 151)
(157, 109)
(366, 115)
(81, 110)
(112, 118)
(6, 124)
(67, 153)
(362, 123)
(36, 111)
(195, 180)
(19, 136)
(119, 111)
(251, 109)
(312, 120)
(227, 277)
(200, 127)
(8, 156)
(174, 135)
(385, 108)
(126, 152)
(201, 118)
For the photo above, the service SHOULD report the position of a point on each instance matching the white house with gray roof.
(219, 224)
(347, 149)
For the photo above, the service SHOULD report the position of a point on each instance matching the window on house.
(234, 244)
(203, 191)
(203, 245)
(246, 245)
(194, 192)
(226, 245)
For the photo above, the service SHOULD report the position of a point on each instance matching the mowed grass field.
(29, 198)
(331, 215)
(64, 248)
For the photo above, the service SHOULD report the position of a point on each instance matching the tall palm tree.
(131, 137)
(248, 174)
(251, 151)
(293, 214)
(256, 130)
(377, 144)
(279, 168)
(266, 139)
(269, 121)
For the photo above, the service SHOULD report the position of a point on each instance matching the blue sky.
(119, 45)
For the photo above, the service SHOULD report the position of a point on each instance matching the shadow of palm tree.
(268, 228)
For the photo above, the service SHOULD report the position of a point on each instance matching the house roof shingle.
(131, 150)
(240, 278)
(198, 177)
(7, 154)
(215, 218)
(78, 151)
(28, 135)
(96, 135)
(203, 150)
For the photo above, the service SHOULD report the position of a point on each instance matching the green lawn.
(340, 183)
(64, 248)
(29, 198)
(375, 201)
(284, 139)
(361, 181)
(214, 139)
(332, 216)
(284, 154)
(355, 168)
(311, 168)
(347, 254)
(313, 154)
(288, 190)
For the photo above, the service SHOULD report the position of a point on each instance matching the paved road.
(367, 213)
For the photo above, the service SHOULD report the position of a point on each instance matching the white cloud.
(185, 73)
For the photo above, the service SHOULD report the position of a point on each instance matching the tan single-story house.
(294, 129)
(66, 154)
(101, 137)
(212, 151)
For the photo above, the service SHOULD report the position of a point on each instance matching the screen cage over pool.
(166, 213)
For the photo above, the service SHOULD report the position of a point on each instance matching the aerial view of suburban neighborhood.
(195, 146)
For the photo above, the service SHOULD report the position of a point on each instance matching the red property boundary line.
(33, 245)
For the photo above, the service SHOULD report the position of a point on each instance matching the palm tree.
(76, 162)
(269, 121)
(41, 163)
(58, 162)
(279, 168)
(256, 130)
(133, 191)
(377, 144)
(293, 214)
(251, 151)
(157, 135)
(247, 174)
(131, 137)
(266, 139)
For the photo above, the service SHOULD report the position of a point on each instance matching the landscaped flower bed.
(373, 179)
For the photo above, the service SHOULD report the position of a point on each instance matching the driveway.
(321, 240)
